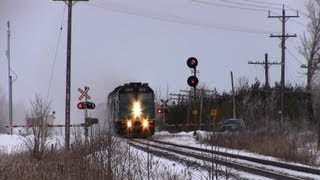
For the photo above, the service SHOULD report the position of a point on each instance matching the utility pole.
(201, 108)
(189, 104)
(10, 78)
(70, 3)
(283, 38)
(266, 65)
(233, 97)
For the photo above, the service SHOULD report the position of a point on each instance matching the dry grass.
(288, 146)
(56, 164)
(105, 158)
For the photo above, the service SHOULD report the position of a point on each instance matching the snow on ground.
(188, 139)
(17, 141)
(10, 143)
(165, 167)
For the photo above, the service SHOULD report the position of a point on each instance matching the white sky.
(111, 46)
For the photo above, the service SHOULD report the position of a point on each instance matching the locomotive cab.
(133, 107)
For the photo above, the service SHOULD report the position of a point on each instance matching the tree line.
(255, 103)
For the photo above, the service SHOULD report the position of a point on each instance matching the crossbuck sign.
(84, 93)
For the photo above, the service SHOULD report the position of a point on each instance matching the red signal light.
(192, 62)
(159, 110)
(193, 81)
(86, 105)
(81, 105)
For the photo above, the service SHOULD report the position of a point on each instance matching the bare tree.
(38, 117)
(310, 49)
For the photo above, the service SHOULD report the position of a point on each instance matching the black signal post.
(88, 120)
(193, 81)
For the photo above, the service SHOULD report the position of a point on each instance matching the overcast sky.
(116, 41)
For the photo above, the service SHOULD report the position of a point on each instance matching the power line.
(303, 13)
(15, 75)
(247, 8)
(253, 5)
(184, 21)
(271, 3)
(169, 17)
(56, 52)
(292, 20)
(11, 70)
(230, 6)
(263, 2)
(294, 57)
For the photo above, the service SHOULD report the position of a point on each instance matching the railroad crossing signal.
(163, 108)
(90, 121)
(90, 105)
(160, 111)
(84, 93)
(86, 105)
(164, 102)
(81, 105)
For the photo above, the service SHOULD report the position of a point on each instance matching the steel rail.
(246, 168)
(252, 159)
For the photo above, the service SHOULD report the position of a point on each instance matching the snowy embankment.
(17, 143)
(10, 143)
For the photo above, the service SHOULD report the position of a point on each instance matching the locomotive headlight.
(145, 123)
(129, 124)
(136, 110)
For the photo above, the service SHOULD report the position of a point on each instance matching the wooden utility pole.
(201, 107)
(266, 65)
(9, 78)
(189, 104)
(283, 18)
(233, 97)
(70, 3)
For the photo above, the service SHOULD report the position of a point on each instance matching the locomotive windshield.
(140, 96)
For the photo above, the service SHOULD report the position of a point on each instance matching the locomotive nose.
(136, 109)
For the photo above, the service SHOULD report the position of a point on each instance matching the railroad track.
(157, 151)
(260, 167)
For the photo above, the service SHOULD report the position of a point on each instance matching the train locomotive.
(131, 110)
